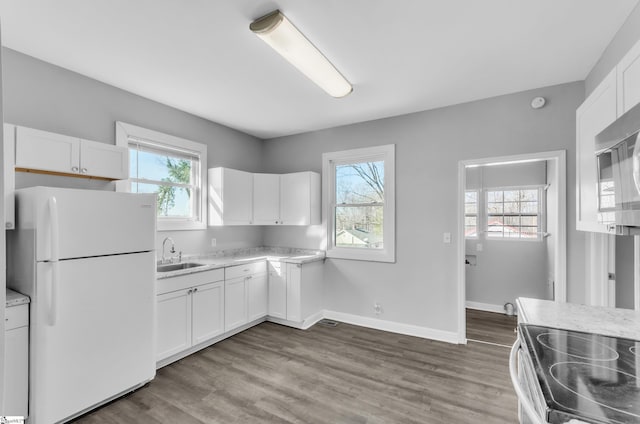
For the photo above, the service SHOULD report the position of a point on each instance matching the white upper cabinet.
(595, 114)
(242, 198)
(43, 151)
(300, 198)
(230, 197)
(266, 199)
(628, 79)
(103, 160)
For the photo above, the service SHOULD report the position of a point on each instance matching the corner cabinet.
(46, 152)
(295, 293)
(190, 312)
(230, 197)
(595, 114)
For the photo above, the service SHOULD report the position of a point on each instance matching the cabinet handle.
(195, 290)
(189, 291)
(75, 169)
(276, 222)
(84, 170)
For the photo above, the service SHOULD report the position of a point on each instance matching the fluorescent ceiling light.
(276, 30)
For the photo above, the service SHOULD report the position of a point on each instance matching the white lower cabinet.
(246, 294)
(190, 315)
(16, 350)
(277, 290)
(295, 292)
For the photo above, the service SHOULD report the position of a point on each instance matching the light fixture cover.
(279, 33)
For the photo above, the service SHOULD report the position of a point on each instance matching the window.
(471, 214)
(172, 167)
(514, 213)
(360, 203)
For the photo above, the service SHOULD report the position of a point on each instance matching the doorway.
(509, 204)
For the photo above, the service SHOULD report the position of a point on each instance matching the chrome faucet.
(173, 249)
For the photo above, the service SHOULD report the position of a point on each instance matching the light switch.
(447, 238)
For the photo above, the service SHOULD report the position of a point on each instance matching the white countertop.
(14, 298)
(614, 322)
(227, 261)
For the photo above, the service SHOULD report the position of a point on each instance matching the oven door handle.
(526, 403)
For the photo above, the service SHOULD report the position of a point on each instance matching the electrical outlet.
(479, 247)
(213, 242)
(446, 238)
(377, 308)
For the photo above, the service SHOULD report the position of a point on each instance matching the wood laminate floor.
(347, 374)
(491, 327)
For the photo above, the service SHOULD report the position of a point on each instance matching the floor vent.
(328, 323)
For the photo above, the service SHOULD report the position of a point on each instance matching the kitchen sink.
(176, 267)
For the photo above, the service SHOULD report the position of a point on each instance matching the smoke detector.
(538, 102)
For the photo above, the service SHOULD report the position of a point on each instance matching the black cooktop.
(586, 376)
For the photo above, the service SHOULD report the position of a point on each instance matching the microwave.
(618, 174)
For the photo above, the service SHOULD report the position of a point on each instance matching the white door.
(235, 303)
(173, 323)
(266, 199)
(207, 311)
(258, 296)
(92, 333)
(277, 290)
(104, 160)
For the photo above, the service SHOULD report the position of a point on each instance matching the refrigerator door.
(87, 222)
(102, 341)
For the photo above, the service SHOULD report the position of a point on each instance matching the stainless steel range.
(581, 376)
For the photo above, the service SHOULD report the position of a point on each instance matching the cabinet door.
(47, 151)
(207, 311)
(596, 113)
(235, 303)
(9, 145)
(294, 312)
(266, 199)
(230, 197)
(257, 296)
(628, 80)
(300, 198)
(104, 160)
(277, 291)
(173, 323)
(16, 378)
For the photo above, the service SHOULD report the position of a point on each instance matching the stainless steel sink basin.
(176, 267)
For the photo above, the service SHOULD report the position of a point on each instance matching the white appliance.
(86, 258)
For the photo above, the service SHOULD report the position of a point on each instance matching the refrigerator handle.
(53, 289)
(55, 234)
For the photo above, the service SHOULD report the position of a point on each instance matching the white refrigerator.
(86, 258)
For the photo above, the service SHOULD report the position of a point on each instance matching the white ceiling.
(401, 56)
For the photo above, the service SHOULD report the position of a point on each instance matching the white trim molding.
(384, 153)
(125, 132)
(394, 327)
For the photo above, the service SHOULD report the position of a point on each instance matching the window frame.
(541, 214)
(477, 215)
(384, 153)
(125, 132)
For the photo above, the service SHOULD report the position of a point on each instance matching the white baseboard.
(394, 327)
(487, 307)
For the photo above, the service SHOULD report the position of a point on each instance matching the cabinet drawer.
(244, 270)
(16, 316)
(181, 282)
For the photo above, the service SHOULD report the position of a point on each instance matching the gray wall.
(420, 288)
(624, 272)
(505, 269)
(625, 38)
(43, 96)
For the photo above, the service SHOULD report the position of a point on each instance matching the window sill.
(359, 255)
